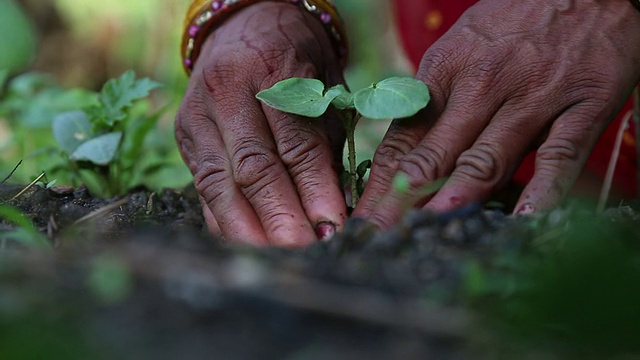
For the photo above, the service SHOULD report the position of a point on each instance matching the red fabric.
(422, 22)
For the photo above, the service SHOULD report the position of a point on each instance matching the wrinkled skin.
(265, 177)
(509, 77)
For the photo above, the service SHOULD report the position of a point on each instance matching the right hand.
(264, 177)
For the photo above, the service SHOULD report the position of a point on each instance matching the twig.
(12, 172)
(28, 187)
(102, 211)
(615, 153)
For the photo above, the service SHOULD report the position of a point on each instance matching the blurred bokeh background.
(81, 44)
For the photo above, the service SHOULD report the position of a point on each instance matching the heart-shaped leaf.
(299, 96)
(392, 98)
(71, 129)
(344, 98)
(100, 150)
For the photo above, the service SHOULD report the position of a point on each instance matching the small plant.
(104, 141)
(28, 104)
(392, 98)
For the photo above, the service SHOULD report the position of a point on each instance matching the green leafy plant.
(104, 141)
(395, 97)
(28, 105)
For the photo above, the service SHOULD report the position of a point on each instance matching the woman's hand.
(510, 76)
(264, 177)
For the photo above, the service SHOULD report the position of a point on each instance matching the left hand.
(510, 75)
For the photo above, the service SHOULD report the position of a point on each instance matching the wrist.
(268, 20)
(205, 17)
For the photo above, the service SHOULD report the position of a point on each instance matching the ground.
(137, 277)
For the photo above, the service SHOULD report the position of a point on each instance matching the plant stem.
(350, 127)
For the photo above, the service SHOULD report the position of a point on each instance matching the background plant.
(392, 98)
(104, 142)
(107, 139)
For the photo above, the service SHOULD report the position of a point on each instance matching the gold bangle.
(204, 16)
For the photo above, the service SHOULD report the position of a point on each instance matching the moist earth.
(178, 293)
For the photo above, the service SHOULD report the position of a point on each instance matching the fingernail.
(525, 209)
(325, 230)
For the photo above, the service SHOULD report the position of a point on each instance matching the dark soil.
(400, 294)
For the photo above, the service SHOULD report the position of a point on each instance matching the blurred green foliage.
(101, 40)
(17, 37)
(574, 291)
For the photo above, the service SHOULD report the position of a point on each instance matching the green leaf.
(26, 233)
(71, 129)
(362, 168)
(100, 150)
(119, 94)
(392, 98)
(344, 98)
(133, 145)
(298, 96)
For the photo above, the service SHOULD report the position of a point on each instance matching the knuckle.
(227, 72)
(424, 165)
(436, 69)
(490, 70)
(208, 177)
(387, 156)
(595, 87)
(438, 60)
(399, 142)
(252, 163)
(558, 151)
(297, 144)
(194, 105)
(482, 163)
(301, 154)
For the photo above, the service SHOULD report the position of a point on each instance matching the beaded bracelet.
(204, 16)
(636, 3)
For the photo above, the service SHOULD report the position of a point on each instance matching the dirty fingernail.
(525, 209)
(325, 230)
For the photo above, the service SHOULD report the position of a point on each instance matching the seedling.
(392, 98)
(104, 141)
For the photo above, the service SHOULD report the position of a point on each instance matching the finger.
(303, 147)
(560, 159)
(207, 158)
(260, 174)
(495, 155)
(462, 121)
(402, 136)
(209, 219)
(311, 150)
(434, 158)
